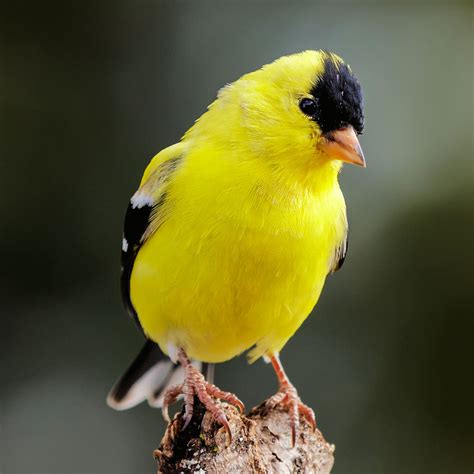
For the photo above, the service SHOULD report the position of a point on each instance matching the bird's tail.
(147, 378)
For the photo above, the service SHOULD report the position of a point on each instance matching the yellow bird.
(231, 234)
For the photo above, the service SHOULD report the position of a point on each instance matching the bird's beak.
(343, 145)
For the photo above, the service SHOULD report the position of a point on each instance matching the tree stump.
(261, 443)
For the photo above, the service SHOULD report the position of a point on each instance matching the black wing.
(136, 223)
(339, 255)
(142, 219)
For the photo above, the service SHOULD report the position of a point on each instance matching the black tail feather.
(148, 377)
(147, 374)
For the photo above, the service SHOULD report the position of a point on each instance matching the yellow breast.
(240, 259)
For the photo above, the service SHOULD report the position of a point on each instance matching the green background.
(90, 91)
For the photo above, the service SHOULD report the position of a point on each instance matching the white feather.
(143, 387)
(140, 200)
(173, 352)
(124, 245)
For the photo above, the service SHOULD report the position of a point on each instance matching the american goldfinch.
(230, 236)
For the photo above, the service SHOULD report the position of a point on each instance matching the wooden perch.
(261, 443)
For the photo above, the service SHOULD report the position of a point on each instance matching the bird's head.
(304, 109)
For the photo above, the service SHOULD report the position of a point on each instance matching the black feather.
(339, 98)
(147, 358)
(136, 223)
(340, 255)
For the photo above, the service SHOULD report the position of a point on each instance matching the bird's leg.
(195, 385)
(288, 397)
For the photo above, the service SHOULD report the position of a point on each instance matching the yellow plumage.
(248, 220)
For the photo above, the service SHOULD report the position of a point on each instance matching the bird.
(232, 232)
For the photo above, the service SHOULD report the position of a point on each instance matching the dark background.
(91, 91)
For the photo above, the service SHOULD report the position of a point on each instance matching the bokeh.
(90, 91)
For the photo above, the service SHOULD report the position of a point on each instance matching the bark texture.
(261, 443)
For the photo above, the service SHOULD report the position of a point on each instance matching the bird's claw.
(195, 385)
(171, 396)
(288, 397)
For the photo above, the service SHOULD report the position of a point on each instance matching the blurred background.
(90, 91)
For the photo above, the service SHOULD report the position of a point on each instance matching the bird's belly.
(220, 293)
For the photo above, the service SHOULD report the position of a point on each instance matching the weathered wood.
(261, 443)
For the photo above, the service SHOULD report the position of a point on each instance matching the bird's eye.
(308, 106)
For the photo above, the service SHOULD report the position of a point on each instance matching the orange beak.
(343, 145)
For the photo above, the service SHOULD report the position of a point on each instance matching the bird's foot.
(288, 397)
(195, 385)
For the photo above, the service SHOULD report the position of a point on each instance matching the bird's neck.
(315, 174)
(273, 160)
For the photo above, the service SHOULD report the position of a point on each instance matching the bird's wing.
(145, 214)
(340, 253)
(152, 372)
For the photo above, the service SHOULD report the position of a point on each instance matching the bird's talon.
(288, 397)
(195, 386)
(228, 397)
(293, 436)
(223, 421)
(187, 420)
